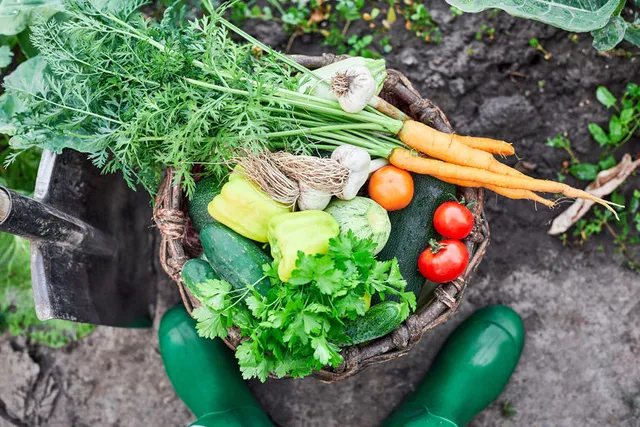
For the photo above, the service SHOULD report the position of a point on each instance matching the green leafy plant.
(357, 46)
(5, 56)
(455, 12)
(486, 31)
(222, 95)
(333, 21)
(508, 410)
(292, 330)
(580, 170)
(609, 21)
(535, 43)
(419, 20)
(624, 123)
(625, 232)
(17, 312)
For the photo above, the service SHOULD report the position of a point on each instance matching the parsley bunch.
(291, 330)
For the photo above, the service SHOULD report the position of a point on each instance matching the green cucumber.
(235, 258)
(381, 319)
(206, 189)
(196, 271)
(412, 228)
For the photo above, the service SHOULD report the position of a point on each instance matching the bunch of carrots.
(469, 162)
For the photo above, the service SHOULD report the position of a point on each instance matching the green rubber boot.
(469, 372)
(205, 375)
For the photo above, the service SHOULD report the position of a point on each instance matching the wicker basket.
(180, 242)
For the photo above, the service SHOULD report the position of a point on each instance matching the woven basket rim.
(178, 240)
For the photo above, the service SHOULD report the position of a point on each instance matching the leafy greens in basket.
(293, 329)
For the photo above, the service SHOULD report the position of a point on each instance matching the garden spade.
(92, 249)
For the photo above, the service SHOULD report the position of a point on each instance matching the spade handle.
(38, 222)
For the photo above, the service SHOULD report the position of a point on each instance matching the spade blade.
(92, 246)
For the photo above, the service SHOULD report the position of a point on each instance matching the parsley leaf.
(210, 322)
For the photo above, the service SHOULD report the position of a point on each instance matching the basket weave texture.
(179, 243)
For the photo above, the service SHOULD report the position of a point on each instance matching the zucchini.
(196, 271)
(206, 189)
(235, 258)
(380, 320)
(412, 228)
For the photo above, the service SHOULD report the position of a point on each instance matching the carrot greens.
(139, 96)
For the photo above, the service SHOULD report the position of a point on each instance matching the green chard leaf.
(632, 33)
(608, 37)
(16, 15)
(570, 15)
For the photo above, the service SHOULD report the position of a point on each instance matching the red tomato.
(453, 220)
(443, 261)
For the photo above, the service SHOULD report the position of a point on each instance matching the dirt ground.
(581, 308)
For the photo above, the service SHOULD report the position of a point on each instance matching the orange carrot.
(506, 192)
(404, 159)
(493, 146)
(449, 148)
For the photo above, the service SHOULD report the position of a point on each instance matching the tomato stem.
(435, 246)
(463, 202)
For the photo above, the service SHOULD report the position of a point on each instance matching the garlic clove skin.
(358, 161)
(354, 184)
(352, 104)
(354, 88)
(352, 157)
(311, 199)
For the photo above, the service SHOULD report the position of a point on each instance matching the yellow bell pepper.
(245, 209)
(306, 231)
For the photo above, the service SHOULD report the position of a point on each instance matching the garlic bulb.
(312, 199)
(357, 160)
(354, 88)
(320, 88)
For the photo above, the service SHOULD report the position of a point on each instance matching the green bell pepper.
(306, 231)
